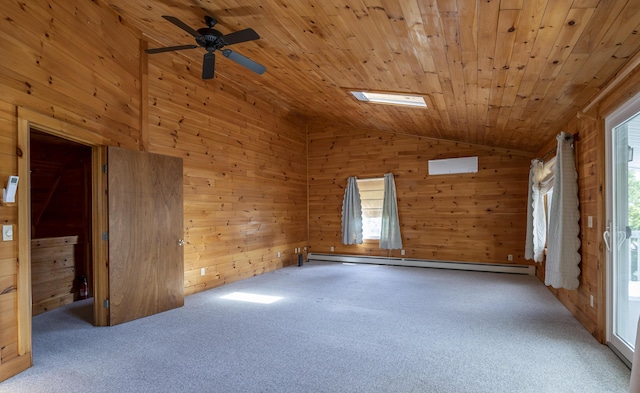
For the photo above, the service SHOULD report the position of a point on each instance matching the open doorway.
(160, 261)
(61, 227)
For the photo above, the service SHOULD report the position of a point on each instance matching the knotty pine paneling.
(53, 272)
(8, 250)
(52, 65)
(469, 217)
(244, 174)
(590, 164)
(590, 174)
(61, 195)
(499, 73)
(244, 159)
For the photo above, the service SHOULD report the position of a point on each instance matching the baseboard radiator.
(478, 267)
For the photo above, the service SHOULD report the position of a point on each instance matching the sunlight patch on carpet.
(251, 297)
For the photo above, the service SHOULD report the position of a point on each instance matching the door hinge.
(104, 168)
(105, 236)
(105, 304)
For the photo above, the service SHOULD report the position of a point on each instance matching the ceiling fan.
(212, 40)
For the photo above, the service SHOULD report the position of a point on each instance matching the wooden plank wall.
(61, 196)
(53, 272)
(244, 174)
(60, 189)
(8, 250)
(591, 166)
(590, 197)
(468, 217)
(245, 168)
(50, 64)
(244, 161)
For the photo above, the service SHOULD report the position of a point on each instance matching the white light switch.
(7, 233)
(590, 221)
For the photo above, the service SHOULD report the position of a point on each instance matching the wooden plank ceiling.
(506, 73)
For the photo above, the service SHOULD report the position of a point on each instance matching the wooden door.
(146, 268)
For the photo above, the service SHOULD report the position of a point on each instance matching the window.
(541, 184)
(390, 98)
(548, 197)
(371, 197)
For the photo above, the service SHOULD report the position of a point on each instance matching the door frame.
(618, 116)
(28, 119)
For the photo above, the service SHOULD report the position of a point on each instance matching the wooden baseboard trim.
(15, 366)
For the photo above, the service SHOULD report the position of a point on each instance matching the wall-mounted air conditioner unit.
(452, 166)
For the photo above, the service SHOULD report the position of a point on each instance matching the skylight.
(250, 297)
(390, 98)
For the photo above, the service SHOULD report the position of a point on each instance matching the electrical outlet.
(332, 249)
(590, 221)
(7, 233)
(278, 254)
(401, 252)
(510, 257)
(202, 271)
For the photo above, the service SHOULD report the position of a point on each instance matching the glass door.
(622, 234)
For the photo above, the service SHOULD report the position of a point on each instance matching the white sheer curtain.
(528, 248)
(540, 183)
(390, 238)
(351, 214)
(562, 268)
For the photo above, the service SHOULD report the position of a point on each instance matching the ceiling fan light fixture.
(399, 99)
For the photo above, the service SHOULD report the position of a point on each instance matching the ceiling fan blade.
(208, 65)
(182, 25)
(244, 61)
(241, 36)
(170, 48)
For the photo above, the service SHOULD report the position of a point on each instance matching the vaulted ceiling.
(506, 73)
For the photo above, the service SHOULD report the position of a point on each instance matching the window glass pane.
(371, 228)
(371, 194)
(372, 213)
(372, 204)
(371, 197)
